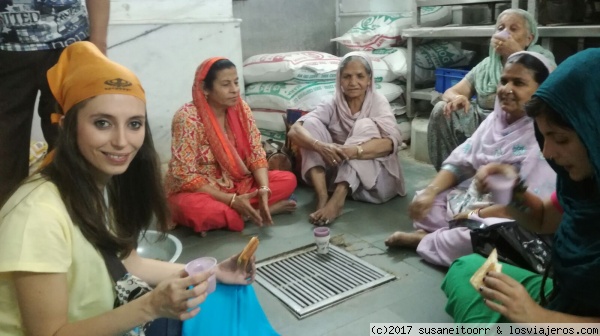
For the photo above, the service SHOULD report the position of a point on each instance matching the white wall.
(163, 42)
(353, 6)
(157, 10)
(270, 26)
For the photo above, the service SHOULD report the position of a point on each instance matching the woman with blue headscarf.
(454, 119)
(566, 109)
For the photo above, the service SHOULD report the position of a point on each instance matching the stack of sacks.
(428, 57)
(382, 31)
(294, 80)
(381, 37)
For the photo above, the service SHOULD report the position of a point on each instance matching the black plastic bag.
(515, 245)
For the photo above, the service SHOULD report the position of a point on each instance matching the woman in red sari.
(218, 172)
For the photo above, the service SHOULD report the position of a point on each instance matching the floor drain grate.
(308, 282)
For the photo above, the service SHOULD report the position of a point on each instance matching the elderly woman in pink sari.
(507, 135)
(349, 144)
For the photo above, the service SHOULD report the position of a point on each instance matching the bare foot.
(321, 202)
(405, 239)
(328, 213)
(285, 206)
(334, 206)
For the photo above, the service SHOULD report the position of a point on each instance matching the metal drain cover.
(308, 282)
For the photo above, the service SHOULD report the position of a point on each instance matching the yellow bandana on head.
(83, 72)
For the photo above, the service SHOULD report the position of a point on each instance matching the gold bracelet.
(359, 151)
(232, 200)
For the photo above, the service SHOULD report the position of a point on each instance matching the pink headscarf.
(335, 114)
(376, 107)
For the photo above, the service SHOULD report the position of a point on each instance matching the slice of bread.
(491, 264)
(248, 252)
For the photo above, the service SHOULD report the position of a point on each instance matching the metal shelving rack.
(417, 4)
(453, 32)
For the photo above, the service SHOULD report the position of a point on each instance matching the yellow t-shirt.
(37, 235)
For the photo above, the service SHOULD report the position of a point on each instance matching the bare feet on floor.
(285, 206)
(405, 239)
(321, 202)
(327, 214)
(332, 210)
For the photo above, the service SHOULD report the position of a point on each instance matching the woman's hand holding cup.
(419, 208)
(483, 173)
(504, 44)
(178, 298)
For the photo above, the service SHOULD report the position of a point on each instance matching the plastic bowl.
(150, 245)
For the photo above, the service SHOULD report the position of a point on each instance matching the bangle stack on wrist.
(232, 200)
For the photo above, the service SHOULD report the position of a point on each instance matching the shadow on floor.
(414, 297)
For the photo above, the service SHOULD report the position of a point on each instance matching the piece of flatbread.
(491, 264)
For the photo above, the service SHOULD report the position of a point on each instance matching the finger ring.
(334, 161)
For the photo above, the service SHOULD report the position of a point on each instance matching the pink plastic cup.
(501, 188)
(503, 35)
(322, 236)
(200, 265)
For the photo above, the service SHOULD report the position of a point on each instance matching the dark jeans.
(164, 327)
(22, 76)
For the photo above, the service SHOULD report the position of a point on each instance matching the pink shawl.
(497, 141)
(335, 114)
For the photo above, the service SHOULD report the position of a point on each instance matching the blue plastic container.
(445, 78)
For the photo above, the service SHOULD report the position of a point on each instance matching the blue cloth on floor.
(231, 310)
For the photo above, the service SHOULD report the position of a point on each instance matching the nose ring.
(511, 91)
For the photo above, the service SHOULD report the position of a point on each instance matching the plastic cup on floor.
(200, 265)
(501, 188)
(322, 236)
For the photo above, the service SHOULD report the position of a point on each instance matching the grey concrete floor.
(415, 296)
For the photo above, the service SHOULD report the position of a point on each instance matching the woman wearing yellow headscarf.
(58, 234)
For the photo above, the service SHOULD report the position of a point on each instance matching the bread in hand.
(248, 252)
(491, 264)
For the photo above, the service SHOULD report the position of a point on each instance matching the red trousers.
(202, 212)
